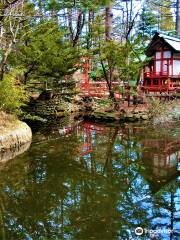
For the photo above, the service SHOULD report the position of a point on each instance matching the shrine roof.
(172, 42)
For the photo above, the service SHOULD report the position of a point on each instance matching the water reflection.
(93, 182)
(9, 154)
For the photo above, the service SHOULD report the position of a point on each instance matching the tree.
(12, 96)
(4, 5)
(125, 18)
(108, 21)
(124, 59)
(166, 16)
(43, 52)
(164, 13)
(148, 21)
(9, 29)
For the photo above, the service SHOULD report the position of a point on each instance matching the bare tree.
(4, 5)
(9, 28)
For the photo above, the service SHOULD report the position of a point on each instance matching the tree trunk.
(108, 37)
(4, 60)
(70, 24)
(79, 27)
(89, 34)
(178, 17)
(108, 22)
(5, 5)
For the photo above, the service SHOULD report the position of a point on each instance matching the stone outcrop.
(15, 135)
(136, 115)
(118, 116)
(170, 115)
(51, 108)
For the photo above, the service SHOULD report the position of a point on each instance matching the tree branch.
(80, 25)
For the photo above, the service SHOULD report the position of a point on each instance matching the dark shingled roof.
(173, 42)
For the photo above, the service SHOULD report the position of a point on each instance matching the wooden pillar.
(87, 85)
(161, 61)
(168, 65)
(172, 62)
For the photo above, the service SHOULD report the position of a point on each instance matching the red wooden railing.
(159, 74)
(97, 89)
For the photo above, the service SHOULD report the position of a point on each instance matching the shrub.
(12, 96)
(157, 107)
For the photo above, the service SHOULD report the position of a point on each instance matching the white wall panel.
(166, 54)
(158, 55)
(158, 66)
(176, 67)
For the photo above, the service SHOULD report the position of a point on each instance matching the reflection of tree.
(110, 150)
(166, 208)
(55, 192)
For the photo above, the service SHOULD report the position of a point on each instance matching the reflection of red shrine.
(161, 157)
(87, 128)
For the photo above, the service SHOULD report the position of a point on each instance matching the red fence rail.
(98, 89)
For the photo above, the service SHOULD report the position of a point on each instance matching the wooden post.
(161, 62)
(87, 85)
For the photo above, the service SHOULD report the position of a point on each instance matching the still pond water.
(92, 181)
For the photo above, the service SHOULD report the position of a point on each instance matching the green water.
(92, 181)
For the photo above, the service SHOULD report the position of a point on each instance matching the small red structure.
(86, 66)
(162, 74)
(91, 88)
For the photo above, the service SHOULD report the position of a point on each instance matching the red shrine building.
(162, 74)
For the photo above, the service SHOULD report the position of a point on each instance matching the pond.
(93, 181)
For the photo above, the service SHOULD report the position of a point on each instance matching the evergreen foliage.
(12, 95)
(47, 38)
(46, 53)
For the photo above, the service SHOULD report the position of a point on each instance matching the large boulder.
(14, 135)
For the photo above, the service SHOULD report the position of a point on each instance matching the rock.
(129, 115)
(137, 116)
(45, 95)
(122, 111)
(144, 117)
(51, 108)
(15, 137)
(110, 110)
(13, 152)
(136, 111)
(60, 114)
(105, 117)
(77, 99)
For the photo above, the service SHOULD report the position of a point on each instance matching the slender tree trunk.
(80, 24)
(108, 37)
(4, 6)
(111, 141)
(89, 34)
(108, 22)
(4, 60)
(70, 24)
(178, 17)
